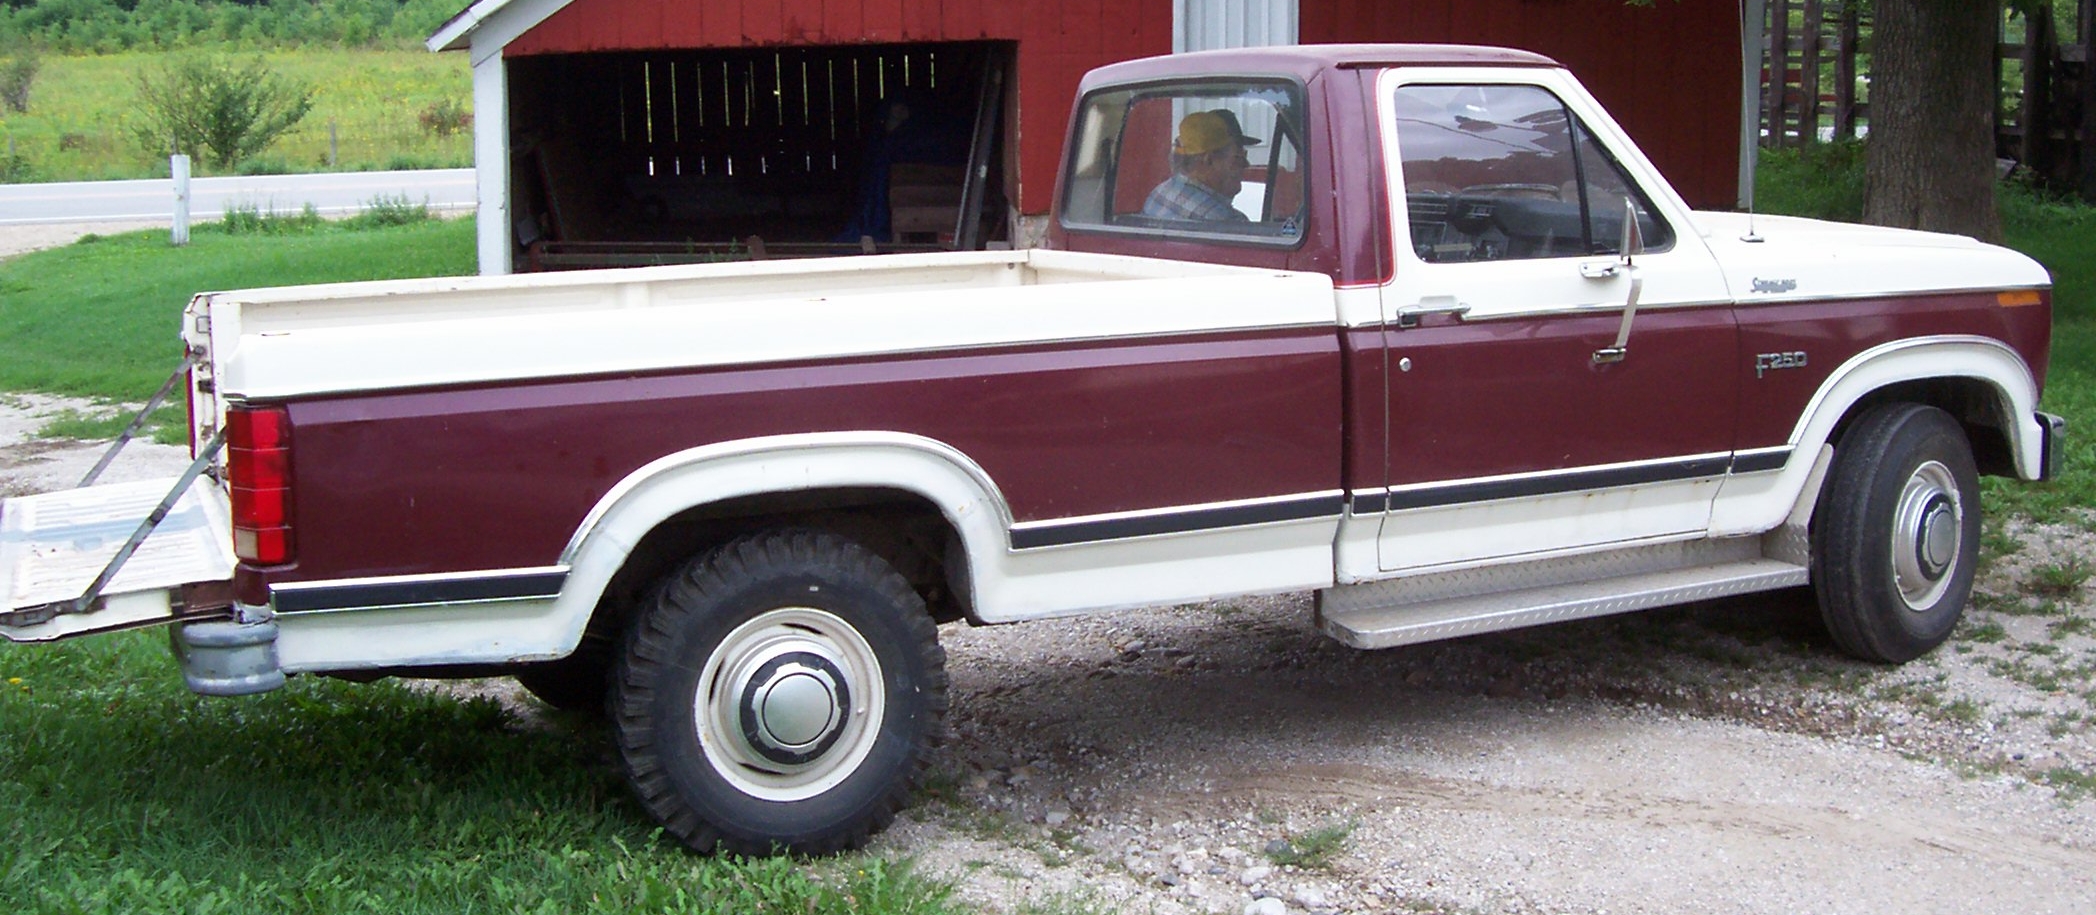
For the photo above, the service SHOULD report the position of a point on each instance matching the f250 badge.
(1774, 286)
(1767, 362)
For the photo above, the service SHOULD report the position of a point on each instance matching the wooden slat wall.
(1669, 73)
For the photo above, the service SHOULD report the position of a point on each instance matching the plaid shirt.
(1184, 198)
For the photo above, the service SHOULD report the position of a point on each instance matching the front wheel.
(1897, 538)
(779, 694)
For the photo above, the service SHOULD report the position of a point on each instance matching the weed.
(383, 210)
(2071, 626)
(252, 219)
(1986, 633)
(1314, 850)
(2059, 579)
(1072, 903)
(2072, 784)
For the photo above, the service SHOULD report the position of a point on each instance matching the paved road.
(332, 194)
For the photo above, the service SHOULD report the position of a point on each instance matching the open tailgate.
(53, 546)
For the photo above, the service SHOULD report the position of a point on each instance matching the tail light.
(258, 470)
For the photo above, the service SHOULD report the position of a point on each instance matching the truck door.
(1518, 428)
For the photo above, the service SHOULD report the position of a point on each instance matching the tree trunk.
(1930, 160)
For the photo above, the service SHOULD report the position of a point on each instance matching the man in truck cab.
(1208, 164)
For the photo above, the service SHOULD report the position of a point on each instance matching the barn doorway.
(628, 158)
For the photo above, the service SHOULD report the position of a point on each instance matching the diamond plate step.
(1448, 605)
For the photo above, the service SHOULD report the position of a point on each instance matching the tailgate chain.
(167, 387)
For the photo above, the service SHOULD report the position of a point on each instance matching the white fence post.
(179, 165)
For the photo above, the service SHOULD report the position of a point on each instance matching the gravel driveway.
(1713, 759)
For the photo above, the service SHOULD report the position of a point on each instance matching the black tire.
(1896, 537)
(578, 684)
(821, 683)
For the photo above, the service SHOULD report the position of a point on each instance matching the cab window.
(1495, 172)
(1207, 159)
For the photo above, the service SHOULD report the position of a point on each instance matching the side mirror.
(1633, 242)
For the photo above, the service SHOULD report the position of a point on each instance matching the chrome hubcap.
(789, 703)
(1928, 534)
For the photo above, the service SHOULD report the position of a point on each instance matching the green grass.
(126, 794)
(78, 126)
(100, 318)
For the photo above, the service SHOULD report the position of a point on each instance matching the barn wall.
(1058, 41)
(1669, 73)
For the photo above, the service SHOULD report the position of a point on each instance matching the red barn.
(652, 128)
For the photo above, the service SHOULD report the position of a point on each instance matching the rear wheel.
(780, 694)
(1897, 535)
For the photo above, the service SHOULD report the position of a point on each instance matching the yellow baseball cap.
(1207, 131)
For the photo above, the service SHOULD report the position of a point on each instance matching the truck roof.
(1304, 61)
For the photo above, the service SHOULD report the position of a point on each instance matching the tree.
(217, 109)
(1929, 163)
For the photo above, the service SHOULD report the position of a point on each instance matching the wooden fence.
(1814, 85)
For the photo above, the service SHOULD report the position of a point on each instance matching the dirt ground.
(1717, 758)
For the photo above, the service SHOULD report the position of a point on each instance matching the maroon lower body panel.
(500, 477)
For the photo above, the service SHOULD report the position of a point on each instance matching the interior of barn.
(675, 156)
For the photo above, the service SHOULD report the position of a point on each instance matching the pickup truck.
(1444, 348)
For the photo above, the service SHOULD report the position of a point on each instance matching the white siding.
(1202, 25)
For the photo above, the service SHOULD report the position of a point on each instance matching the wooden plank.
(1808, 72)
(883, 20)
(1082, 26)
(1848, 37)
(920, 19)
(843, 21)
(763, 21)
(963, 20)
(2087, 32)
(800, 20)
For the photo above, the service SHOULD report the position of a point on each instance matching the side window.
(1199, 159)
(1507, 172)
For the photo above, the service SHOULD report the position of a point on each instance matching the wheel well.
(903, 528)
(1974, 403)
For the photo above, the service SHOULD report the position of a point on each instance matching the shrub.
(16, 168)
(446, 117)
(17, 74)
(221, 111)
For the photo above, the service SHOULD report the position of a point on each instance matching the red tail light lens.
(258, 470)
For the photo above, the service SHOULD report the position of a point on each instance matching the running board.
(1446, 605)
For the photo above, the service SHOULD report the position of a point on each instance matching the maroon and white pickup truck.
(1442, 347)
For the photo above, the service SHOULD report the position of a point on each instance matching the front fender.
(1754, 503)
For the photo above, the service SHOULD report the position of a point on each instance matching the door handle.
(1409, 315)
(1601, 270)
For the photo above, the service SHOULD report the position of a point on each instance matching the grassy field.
(78, 126)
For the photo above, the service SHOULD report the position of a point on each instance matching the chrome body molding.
(417, 590)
